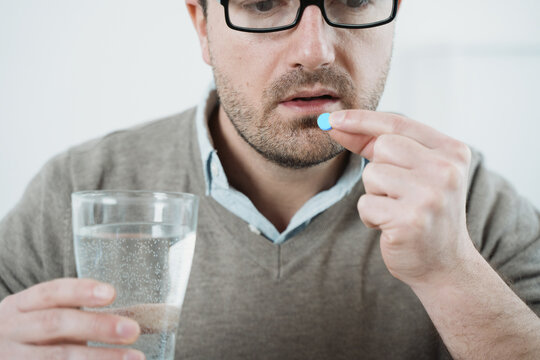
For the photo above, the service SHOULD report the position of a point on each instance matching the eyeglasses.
(262, 16)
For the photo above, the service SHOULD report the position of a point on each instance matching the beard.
(297, 142)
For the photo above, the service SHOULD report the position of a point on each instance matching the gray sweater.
(323, 294)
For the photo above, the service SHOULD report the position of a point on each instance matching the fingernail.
(104, 292)
(133, 355)
(127, 329)
(337, 118)
(323, 123)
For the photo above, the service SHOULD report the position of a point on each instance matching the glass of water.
(141, 243)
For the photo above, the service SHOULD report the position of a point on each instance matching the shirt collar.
(203, 114)
(217, 184)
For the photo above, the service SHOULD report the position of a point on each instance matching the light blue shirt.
(239, 204)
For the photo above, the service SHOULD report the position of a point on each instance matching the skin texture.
(416, 182)
(250, 91)
(285, 147)
(43, 322)
(415, 191)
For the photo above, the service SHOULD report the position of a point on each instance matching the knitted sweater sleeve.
(505, 228)
(35, 239)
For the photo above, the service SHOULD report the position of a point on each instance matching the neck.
(277, 192)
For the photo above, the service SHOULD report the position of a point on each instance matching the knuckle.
(393, 240)
(459, 149)
(417, 220)
(51, 321)
(48, 291)
(363, 210)
(451, 176)
(463, 153)
(398, 123)
(82, 293)
(380, 144)
(100, 324)
(431, 201)
(385, 139)
(362, 204)
(368, 173)
(367, 222)
(369, 168)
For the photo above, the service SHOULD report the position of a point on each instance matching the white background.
(71, 70)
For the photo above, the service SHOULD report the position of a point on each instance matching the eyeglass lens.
(262, 14)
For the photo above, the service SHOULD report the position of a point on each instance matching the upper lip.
(311, 94)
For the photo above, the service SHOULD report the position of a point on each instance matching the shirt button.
(254, 229)
(214, 169)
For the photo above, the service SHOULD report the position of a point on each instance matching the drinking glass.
(142, 243)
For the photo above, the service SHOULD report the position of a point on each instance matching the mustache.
(328, 77)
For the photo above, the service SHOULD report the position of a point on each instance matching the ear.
(199, 22)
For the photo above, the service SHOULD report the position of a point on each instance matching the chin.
(303, 151)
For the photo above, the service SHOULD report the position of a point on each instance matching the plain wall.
(74, 70)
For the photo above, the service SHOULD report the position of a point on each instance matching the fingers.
(400, 151)
(374, 124)
(61, 352)
(386, 148)
(377, 211)
(65, 293)
(69, 325)
(388, 180)
(40, 322)
(356, 143)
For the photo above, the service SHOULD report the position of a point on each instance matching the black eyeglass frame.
(304, 4)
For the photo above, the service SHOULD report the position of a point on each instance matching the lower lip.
(311, 106)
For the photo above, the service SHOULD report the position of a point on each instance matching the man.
(284, 268)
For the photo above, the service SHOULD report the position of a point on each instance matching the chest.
(333, 299)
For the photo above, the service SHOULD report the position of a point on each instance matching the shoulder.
(487, 188)
(37, 231)
(500, 221)
(145, 136)
(127, 158)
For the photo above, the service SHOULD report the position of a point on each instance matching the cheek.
(248, 63)
(366, 53)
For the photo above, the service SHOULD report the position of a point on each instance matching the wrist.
(473, 308)
(467, 270)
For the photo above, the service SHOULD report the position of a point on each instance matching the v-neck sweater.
(325, 293)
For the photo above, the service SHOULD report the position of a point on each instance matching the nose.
(311, 43)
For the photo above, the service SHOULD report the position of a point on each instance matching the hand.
(416, 188)
(43, 322)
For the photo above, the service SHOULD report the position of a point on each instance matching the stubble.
(292, 142)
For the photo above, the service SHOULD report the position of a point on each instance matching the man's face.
(273, 86)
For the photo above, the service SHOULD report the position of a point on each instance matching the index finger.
(373, 123)
(66, 292)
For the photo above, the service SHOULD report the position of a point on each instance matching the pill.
(323, 122)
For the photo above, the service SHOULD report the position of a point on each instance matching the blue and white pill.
(324, 122)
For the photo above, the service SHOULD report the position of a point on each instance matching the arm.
(416, 194)
(34, 235)
(479, 317)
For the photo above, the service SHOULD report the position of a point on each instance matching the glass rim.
(92, 195)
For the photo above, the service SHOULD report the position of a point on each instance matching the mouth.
(311, 101)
